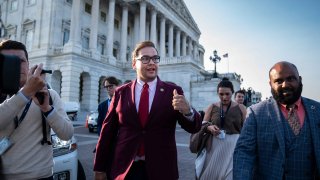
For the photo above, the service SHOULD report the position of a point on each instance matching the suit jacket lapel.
(275, 116)
(132, 103)
(311, 114)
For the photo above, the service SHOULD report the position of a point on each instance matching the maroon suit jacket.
(122, 133)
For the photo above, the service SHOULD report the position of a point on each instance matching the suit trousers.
(137, 171)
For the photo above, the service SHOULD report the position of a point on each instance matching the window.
(12, 37)
(28, 32)
(115, 52)
(87, 8)
(65, 31)
(103, 16)
(85, 42)
(116, 23)
(101, 44)
(128, 30)
(11, 31)
(101, 48)
(29, 39)
(30, 2)
(69, 1)
(14, 5)
(66, 34)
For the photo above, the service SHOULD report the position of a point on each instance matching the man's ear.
(133, 64)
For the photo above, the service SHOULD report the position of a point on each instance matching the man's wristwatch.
(190, 113)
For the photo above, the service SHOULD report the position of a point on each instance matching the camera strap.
(44, 126)
(223, 114)
(23, 115)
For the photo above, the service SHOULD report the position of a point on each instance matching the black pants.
(137, 171)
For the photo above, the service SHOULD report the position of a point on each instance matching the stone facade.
(83, 41)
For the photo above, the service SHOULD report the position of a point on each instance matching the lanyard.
(24, 113)
(222, 114)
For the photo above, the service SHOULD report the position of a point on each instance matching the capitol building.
(83, 41)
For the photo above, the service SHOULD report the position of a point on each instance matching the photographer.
(26, 120)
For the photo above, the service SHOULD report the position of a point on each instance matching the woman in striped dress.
(224, 121)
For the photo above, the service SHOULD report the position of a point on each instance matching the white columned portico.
(94, 26)
(163, 37)
(124, 31)
(178, 43)
(110, 28)
(190, 47)
(136, 32)
(75, 29)
(153, 33)
(184, 44)
(170, 50)
(143, 9)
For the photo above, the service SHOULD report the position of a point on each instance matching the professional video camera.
(9, 74)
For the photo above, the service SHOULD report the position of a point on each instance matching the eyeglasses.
(146, 59)
(109, 86)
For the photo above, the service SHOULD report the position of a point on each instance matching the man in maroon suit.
(137, 140)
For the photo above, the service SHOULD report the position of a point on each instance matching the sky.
(256, 34)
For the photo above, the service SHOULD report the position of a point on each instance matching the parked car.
(92, 119)
(72, 108)
(65, 157)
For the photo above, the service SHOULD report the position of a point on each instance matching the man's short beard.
(278, 96)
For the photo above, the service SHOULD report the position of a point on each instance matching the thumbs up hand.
(180, 103)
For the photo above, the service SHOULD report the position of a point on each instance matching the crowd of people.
(278, 138)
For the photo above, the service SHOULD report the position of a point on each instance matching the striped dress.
(219, 160)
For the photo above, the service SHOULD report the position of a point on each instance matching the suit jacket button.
(143, 132)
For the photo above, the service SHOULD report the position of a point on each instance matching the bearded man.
(281, 136)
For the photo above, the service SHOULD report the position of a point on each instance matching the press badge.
(5, 144)
(222, 134)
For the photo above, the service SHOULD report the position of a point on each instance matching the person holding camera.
(26, 119)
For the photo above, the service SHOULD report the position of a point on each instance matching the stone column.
(195, 50)
(136, 29)
(184, 44)
(93, 92)
(143, 9)
(110, 28)
(94, 26)
(20, 15)
(70, 84)
(170, 50)
(163, 37)
(190, 47)
(153, 33)
(75, 28)
(37, 30)
(124, 33)
(178, 43)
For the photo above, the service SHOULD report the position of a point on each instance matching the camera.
(9, 74)
(40, 95)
